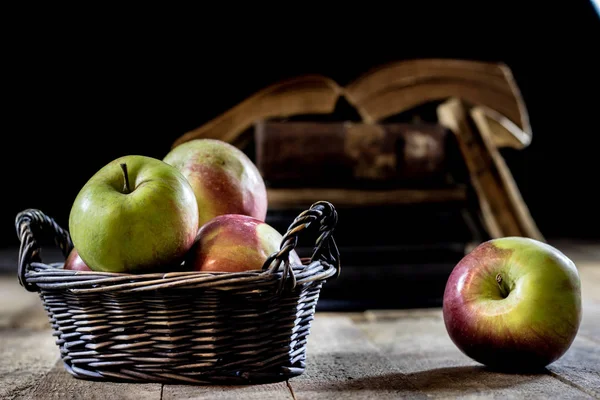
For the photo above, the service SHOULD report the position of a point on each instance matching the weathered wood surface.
(344, 364)
(419, 347)
(27, 349)
(273, 391)
(580, 366)
(26, 357)
(371, 355)
(59, 384)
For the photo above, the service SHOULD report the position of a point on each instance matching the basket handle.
(325, 249)
(32, 223)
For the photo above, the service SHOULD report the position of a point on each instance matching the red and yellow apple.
(75, 263)
(235, 243)
(224, 179)
(513, 303)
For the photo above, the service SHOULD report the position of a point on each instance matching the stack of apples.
(201, 208)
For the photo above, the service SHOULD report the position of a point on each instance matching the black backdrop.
(81, 95)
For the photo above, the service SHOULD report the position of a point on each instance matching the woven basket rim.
(51, 276)
(278, 268)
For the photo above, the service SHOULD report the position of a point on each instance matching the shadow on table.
(459, 378)
(347, 373)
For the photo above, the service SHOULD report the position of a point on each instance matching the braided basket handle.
(325, 249)
(31, 224)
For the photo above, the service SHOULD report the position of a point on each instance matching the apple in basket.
(513, 303)
(74, 262)
(224, 179)
(136, 214)
(235, 243)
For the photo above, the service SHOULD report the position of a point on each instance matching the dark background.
(79, 94)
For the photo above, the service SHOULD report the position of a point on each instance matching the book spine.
(343, 152)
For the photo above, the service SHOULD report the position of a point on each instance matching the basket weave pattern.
(185, 327)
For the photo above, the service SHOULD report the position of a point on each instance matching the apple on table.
(136, 214)
(513, 303)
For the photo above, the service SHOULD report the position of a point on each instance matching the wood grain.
(27, 348)
(25, 357)
(580, 366)
(59, 384)
(589, 273)
(343, 364)
(420, 347)
(258, 392)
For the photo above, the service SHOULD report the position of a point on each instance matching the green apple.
(136, 214)
(224, 179)
(513, 303)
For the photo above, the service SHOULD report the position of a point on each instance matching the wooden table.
(374, 354)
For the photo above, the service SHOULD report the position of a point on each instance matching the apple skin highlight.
(526, 321)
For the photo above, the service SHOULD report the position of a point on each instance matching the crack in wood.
(566, 381)
(289, 385)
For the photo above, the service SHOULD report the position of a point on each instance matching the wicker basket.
(182, 327)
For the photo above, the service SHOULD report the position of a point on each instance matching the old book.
(392, 88)
(346, 154)
(492, 114)
(378, 94)
(307, 94)
(503, 210)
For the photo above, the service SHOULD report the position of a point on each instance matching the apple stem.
(126, 188)
(502, 285)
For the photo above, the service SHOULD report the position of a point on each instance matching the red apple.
(513, 303)
(235, 243)
(224, 179)
(75, 263)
